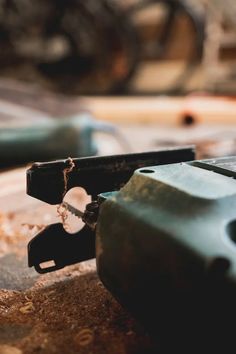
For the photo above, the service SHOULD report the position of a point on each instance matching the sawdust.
(7, 349)
(63, 214)
(28, 297)
(84, 337)
(66, 173)
(10, 237)
(32, 227)
(75, 314)
(68, 311)
(27, 308)
(61, 209)
(12, 234)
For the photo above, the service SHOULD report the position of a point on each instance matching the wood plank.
(206, 109)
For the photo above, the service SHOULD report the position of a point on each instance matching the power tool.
(162, 227)
(50, 138)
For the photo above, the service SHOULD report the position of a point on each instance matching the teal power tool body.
(163, 229)
(50, 138)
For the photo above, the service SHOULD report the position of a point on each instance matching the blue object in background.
(49, 139)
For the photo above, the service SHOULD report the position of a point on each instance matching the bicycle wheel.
(74, 46)
(102, 49)
(171, 53)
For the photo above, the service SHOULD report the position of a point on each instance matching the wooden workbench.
(70, 311)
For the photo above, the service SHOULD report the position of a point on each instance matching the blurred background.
(105, 76)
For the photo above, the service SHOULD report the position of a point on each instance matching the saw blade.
(73, 210)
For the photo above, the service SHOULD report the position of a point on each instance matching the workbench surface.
(69, 311)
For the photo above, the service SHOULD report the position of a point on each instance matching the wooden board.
(169, 110)
(27, 102)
